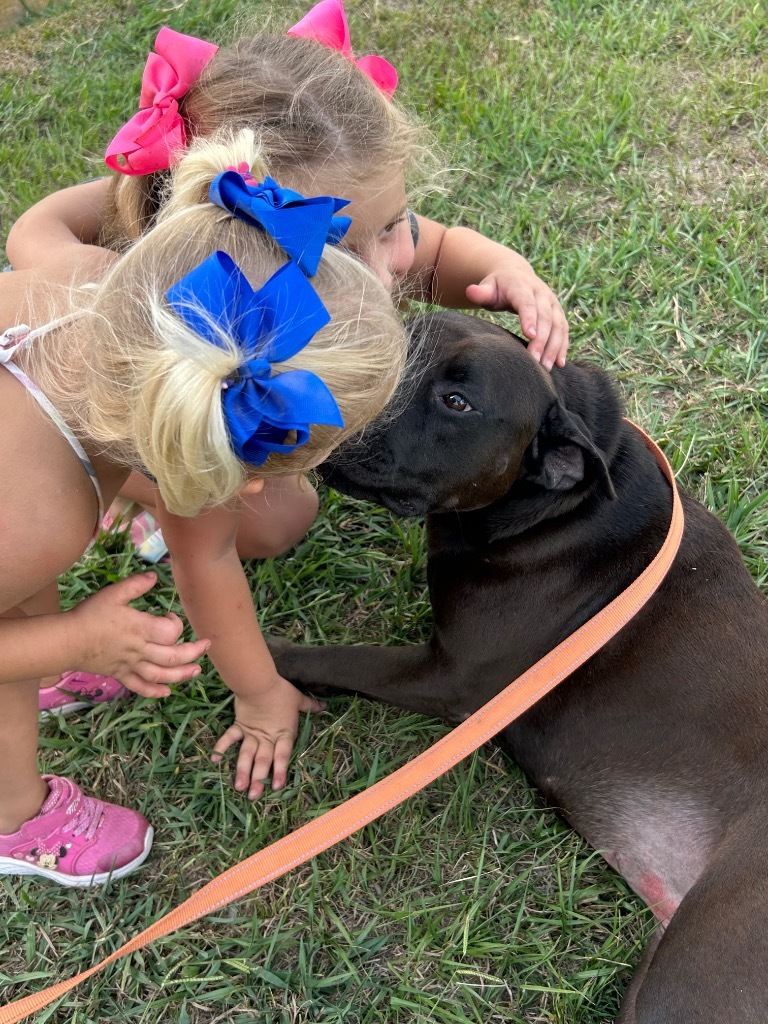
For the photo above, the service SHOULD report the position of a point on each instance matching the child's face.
(380, 233)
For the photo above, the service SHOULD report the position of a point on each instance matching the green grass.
(621, 146)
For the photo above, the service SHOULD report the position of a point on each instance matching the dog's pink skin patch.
(659, 843)
(651, 888)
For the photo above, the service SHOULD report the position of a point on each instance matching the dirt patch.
(738, 163)
(45, 27)
(14, 63)
(718, 136)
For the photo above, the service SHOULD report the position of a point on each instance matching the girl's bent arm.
(459, 268)
(65, 222)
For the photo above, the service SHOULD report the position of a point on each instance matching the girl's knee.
(276, 518)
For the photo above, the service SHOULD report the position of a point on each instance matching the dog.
(542, 504)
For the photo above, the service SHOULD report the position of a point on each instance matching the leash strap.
(330, 828)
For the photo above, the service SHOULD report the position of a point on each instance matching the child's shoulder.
(39, 295)
(16, 298)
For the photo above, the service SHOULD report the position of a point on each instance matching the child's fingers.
(132, 587)
(155, 675)
(152, 680)
(282, 755)
(232, 735)
(556, 350)
(307, 703)
(245, 759)
(173, 655)
(256, 789)
(545, 341)
(254, 761)
(144, 687)
(557, 343)
(260, 768)
(163, 629)
(257, 757)
(532, 323)
(483, 294)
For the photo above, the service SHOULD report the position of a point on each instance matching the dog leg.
(627, 1012)
(416, 677)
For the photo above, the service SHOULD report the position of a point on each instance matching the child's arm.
(105, 635)
(65, 224)
(458, 267)
(216, 597)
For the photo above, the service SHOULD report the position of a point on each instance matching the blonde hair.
(323, 125)
(151, 392)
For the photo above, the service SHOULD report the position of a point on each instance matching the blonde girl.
(220, 351)
(324, 128)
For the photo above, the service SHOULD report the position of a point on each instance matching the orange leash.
(333, 826)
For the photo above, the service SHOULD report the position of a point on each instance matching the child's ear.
(563, 454)
(253, 486)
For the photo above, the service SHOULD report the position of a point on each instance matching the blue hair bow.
(302, 226)
(269, 325)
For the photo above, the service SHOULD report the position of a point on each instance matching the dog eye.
(456, 402)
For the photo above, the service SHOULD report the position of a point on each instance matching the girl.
(328, 124)
(229, 345)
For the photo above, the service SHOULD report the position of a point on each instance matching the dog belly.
(659, 844)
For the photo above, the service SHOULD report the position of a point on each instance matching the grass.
(619, 144)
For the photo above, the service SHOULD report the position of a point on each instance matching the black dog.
(542, 505)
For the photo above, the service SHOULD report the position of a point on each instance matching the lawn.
(621, 146)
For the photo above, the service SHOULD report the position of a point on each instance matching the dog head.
(478, 419)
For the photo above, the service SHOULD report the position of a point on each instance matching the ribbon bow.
(302, 226)
(269, 325)
(327, 24)
(148, 141)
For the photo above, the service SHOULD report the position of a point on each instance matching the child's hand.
(135, 647)
(265, 726)
(542, 319)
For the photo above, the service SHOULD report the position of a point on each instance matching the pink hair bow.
(327, 24)
(148, 141)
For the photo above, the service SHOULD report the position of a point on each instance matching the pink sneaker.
(77, 690)
(144, 532)
(148, 539)
(76, 840)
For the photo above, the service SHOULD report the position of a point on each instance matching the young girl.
(328, 125)
(229, 345)
(324, 119)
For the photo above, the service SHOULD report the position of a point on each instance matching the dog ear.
(563, 454)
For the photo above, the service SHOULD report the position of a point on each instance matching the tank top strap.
(13, 339)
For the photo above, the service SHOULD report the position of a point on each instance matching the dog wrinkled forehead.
(463, 347)
(431, 330)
